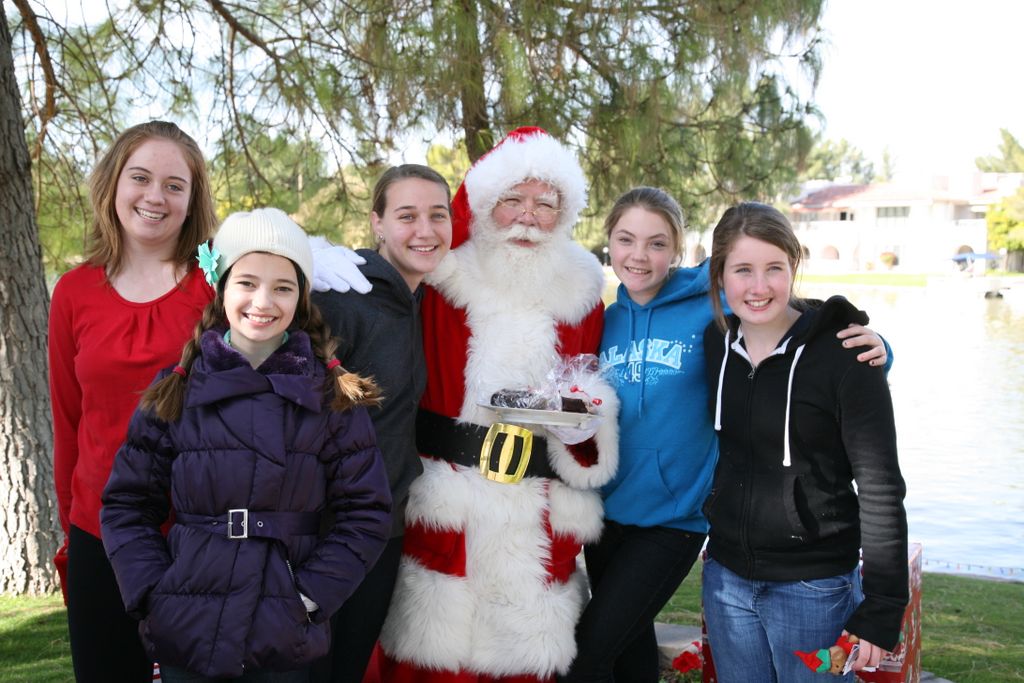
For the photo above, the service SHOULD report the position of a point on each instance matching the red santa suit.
(488, 588)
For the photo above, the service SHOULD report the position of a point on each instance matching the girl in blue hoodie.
(654, 526)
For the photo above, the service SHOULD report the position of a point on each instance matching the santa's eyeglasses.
(544, 212)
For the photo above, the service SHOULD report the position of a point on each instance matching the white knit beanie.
(269, 230)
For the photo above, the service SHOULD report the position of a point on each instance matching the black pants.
(105, 645)
(356, 626)
(633, 572)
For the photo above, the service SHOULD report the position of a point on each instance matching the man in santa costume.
(488, 588)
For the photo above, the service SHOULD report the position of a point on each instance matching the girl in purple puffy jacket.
(260, 443)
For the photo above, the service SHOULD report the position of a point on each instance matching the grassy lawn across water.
(973, 631)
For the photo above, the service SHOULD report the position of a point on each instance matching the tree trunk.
(475, 124)
(28, 510)
(1015, 260)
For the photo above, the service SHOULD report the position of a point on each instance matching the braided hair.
(166, 397)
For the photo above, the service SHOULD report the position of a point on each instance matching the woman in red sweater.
(114, 322)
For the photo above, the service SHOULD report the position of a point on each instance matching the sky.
(934, 81)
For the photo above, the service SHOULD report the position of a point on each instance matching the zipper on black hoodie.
(748, 471)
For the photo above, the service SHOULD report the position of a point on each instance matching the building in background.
(939, 227)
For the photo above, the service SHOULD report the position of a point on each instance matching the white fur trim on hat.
(269, 230)
(534, 155)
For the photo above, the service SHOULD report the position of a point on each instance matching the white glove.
(574, 435)
(335, 267)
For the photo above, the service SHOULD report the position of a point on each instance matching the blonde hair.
(105, 244)
(658, 202)
(167, 397)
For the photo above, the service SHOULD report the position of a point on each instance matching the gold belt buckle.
(512, 434)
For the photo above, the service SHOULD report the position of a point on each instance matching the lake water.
(958, 394)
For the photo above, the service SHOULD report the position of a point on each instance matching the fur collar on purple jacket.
(292, 371)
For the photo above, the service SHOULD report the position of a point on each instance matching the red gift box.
(903, 665)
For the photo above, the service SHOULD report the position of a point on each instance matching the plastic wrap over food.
(563, 391)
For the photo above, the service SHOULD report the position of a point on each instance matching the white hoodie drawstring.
(721, 378)
(789, 400)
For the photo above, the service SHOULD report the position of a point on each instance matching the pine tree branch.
(42, 51)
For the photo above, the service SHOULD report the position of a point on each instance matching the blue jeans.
(172, 674)
(633, 572)
(755, 626)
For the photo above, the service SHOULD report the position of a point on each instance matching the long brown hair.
(105, 245)
(750, 219)
(166, 397)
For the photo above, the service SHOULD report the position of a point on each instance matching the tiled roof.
(831, 197)
(888, 193)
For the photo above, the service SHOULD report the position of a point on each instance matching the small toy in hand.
(832, 659)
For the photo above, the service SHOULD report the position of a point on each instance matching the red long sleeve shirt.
(104, 351)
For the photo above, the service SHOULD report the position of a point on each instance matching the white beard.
(529, 233)
(556, 277)
(531, 270)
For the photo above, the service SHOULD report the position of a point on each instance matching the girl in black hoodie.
(799, 420)
(380, 334)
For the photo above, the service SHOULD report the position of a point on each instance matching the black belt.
(241, 523)
(462, 444)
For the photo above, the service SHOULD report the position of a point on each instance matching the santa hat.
(525, 153)
(847, 643)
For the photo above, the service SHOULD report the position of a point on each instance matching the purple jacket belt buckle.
(243, 523)
(238, 517)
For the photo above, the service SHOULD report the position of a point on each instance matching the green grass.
(34, 640)
(972, 631)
